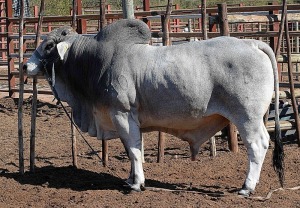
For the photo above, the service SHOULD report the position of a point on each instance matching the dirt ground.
(207, 182)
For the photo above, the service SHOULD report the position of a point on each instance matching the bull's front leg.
(129, 132)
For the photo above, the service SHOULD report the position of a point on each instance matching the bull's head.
(51, 50)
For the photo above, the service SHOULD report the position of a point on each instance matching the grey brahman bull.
(118, 85)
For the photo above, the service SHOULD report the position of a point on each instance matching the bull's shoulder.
(125, 31)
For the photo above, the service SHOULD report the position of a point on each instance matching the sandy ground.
(207, 182)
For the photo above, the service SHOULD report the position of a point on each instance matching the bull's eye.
(49, 46)
(64, 33)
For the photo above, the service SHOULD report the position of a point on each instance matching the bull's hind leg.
(129, 133)
(256, 140)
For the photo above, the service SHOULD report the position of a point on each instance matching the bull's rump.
(182, 84)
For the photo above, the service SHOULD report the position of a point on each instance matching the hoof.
(244, 192)
(135, 187)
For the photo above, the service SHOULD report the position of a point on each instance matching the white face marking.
(34, 62)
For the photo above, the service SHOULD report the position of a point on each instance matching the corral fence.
(258, 22)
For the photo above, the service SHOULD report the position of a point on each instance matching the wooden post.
(204, 19)
(102, 14)
(128, 10)
(213, 149)
(166, 42)
(2, 30)
(21, 91)
(223, 21)
(104, 153)
(281, 29)
(233, 140)
(275, 40)
(224, 30)
(104, 142)
(142, 147)
(74, 143)
(10, 48)
(290, 73)
(165, 24)
(161, 147)
(146, 7)
(177, 21)
(73, 128)
(190, 25)
(74, 11)
(212, 26)
(81, 23)
(274, 27)
(34, 89)
(36, 14)
(297, 38)
(33, 125)
(212, 140)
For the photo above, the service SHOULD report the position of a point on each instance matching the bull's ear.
(62, 48)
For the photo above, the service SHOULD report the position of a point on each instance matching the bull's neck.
(85, 48)
(84, 66)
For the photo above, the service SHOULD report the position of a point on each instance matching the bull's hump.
(126, 31)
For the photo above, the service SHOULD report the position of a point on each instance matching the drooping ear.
(62, 48)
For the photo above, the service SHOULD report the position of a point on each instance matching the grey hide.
(119, 85)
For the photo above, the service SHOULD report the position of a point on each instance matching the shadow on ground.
(69, 178)
(82, 180)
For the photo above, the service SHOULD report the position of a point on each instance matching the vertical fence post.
(224, 30)
(165, 24)
(128, 10)
(274, 40)
(212, 26)
(161, 147)
(36, 14)
(2, 30)
(104, 142)
(74, 143)
(166, 41)
(223, 21)
(81, 23)
(74, 11)
(146, 7)
(21, 91)
(102, 14)
(34, 88)
(297, 37)
(10, 48)
(73, 128)
(212, 140)
(290, 74)
(177, 21)
(33, 125)
(204, 19)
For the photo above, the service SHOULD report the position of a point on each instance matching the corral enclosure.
(259, 22)
(206, 183)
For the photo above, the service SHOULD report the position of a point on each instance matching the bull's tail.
(278, 152)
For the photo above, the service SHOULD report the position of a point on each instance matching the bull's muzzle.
(32, 66)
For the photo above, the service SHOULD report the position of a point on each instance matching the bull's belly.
(191, 129)
(165, 121)
(177, 108)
